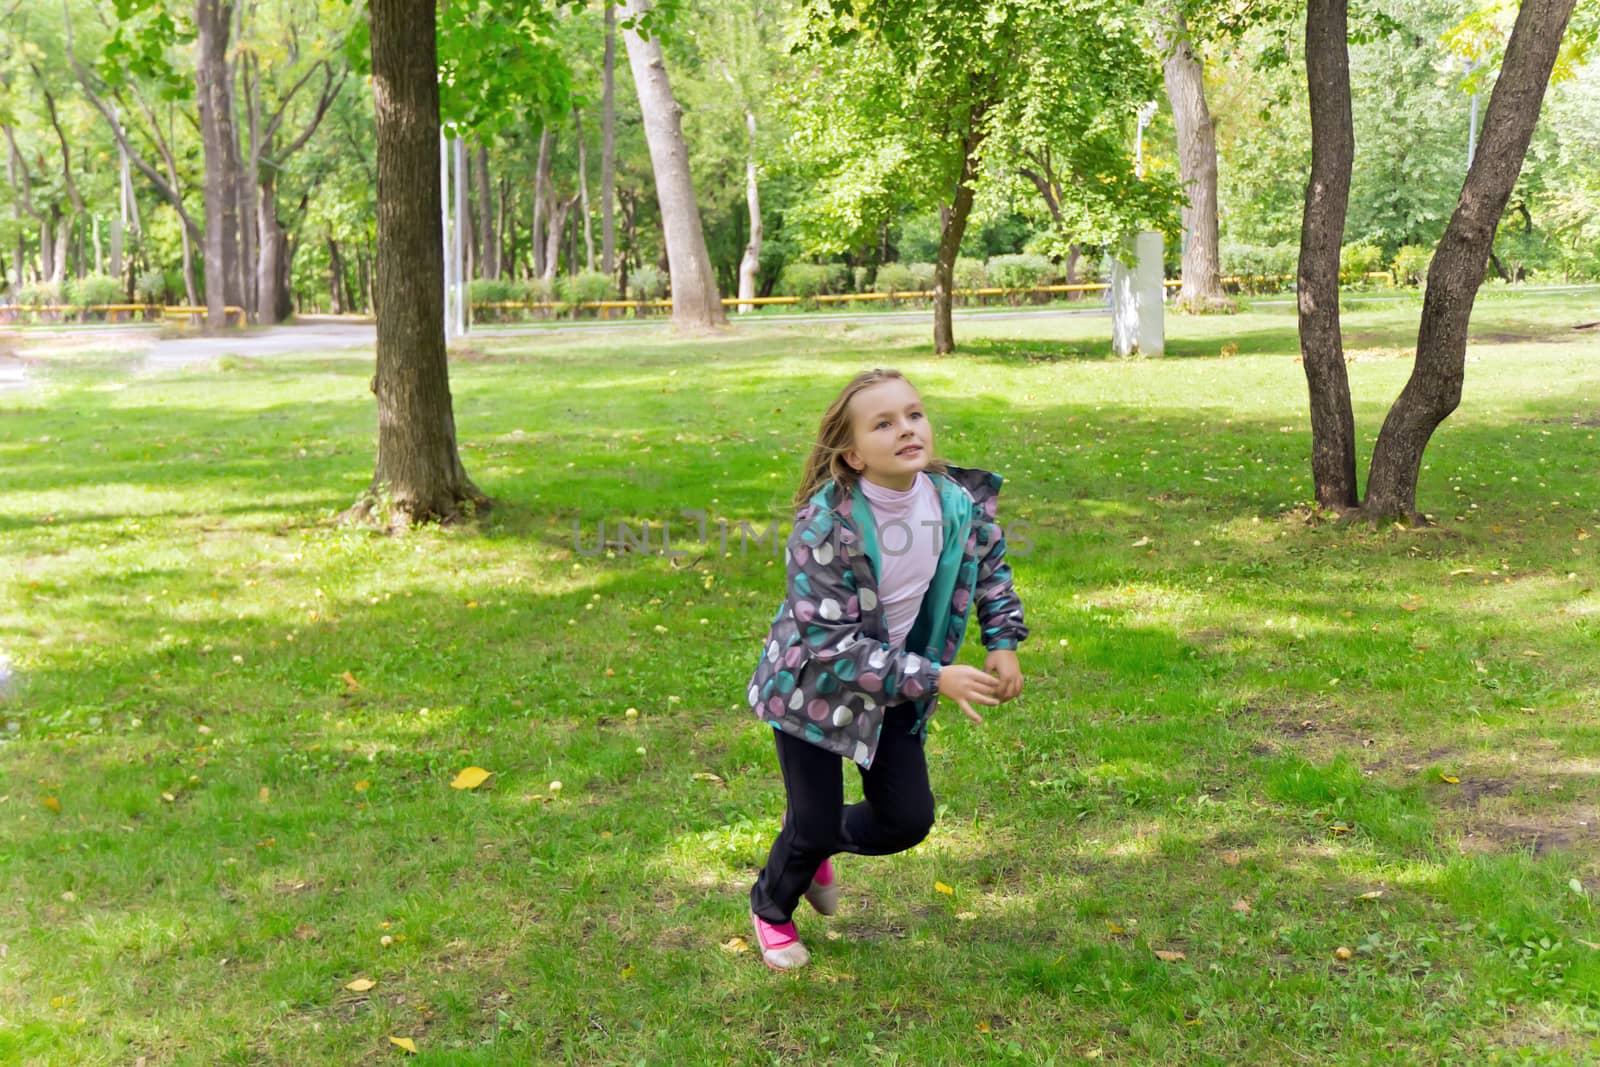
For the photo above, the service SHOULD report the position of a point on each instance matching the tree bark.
(608, 147)
(552, 243)
(750, 264)
(1434, 389)
(488, 241)
(696, 303)
(270, 239)
(583, 191)
(1333, 435)
(418, 465)
(952, 227)
(541, 199)
(214, 21)
(1197, 160)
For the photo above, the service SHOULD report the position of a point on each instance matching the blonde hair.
(836, 436)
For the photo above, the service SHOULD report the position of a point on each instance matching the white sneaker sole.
(789, 958)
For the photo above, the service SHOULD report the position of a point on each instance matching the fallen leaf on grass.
(1531, 652)
(707, 776)
(1114, 929)
(1242, 906)
(1373, 895)
(1449, 778)
(52, 803)
(264, 795)
(736, 944)
(1342, 953)
(350, 683)
(1588, 944)
(405, 1043)
(471, 778)
(626, 972)
(946, 890)
(360, 985)
(1140, 543)
(305, 932)
(1231, 858)
(1168, 956)
(983, 1026)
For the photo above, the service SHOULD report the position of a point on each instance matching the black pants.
(896, 814)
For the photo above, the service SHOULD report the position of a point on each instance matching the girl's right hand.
(968, 686)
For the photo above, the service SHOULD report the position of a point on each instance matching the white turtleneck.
(909, 539)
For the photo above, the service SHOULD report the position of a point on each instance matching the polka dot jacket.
(827, 670)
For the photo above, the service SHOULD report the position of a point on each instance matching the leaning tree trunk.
(696, 303)
(608, 147)
(1197, 161)
(419, 467)
(214, 20)
(750, 265)
(1333, 433)
(952, 227)
(583, 191)
(1434, 388)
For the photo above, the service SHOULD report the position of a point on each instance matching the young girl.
(891, 548)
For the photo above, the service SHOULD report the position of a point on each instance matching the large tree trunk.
(488, 241)
(214, 20)
(1197, 160)
(269, 265)
(696, 303)
(1434, 388)
(541, 199)
(750, 264)
(952, 227)
(608, 147)
(418, 467)
(1333, 434)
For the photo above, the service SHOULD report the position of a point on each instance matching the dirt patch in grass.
(1572, 830)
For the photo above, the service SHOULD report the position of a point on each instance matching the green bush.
(151, 287)
(40, 294)
(586, 287)
(647, 283)
(1260, 268)
(804, 280)
(1020, 271)
(862, 276)
(1358, 261)
(894, 278)
(94, 289)
(540, 291)
(1411, 264)
(922, 276)
(970, 273)
(494, 291)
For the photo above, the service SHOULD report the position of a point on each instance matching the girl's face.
(893, 438)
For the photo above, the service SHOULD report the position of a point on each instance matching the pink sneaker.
(780, 945)
(823, 892)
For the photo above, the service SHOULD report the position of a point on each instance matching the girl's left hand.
(1002, 663)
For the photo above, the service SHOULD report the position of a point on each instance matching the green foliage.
(41, 294)
(1260, 268)
(151, 287)
(922, 275)
(1357, 261)
(810, 279)
(1020, 271)
(895, 278)
(647, 283)
(496, 291)
(586, 287)
(1411, 264)
(969, 273)
(94, 289)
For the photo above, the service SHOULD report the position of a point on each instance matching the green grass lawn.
(1350, 777)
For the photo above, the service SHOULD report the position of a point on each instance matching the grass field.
(1278, 791)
